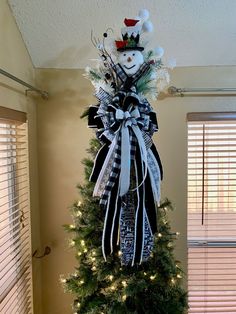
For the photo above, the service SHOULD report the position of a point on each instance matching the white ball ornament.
(159, 51)
(147, 27)
(143, 14)
(171, 63)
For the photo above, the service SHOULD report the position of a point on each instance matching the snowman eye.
(124, 54)
(133, 54)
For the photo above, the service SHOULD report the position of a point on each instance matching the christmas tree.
(121, 232)
(106, 287)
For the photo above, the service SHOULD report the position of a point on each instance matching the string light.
(173, 280)
(179, 276)
(63, 280)
(93, 253)
(81, 282)
(111, 277)
(78, 214)
(78, 304)
(79, 203)
(94, 268)
(124, 297)
(72, 243)
(177, 233)
(159, 235)
(82, 242)
(85, 250)
(145, 274)
(124, 283)
(93, 259)
(72, 226)
(152, 277)
(79, 253)
(119, 253)
(113, 288)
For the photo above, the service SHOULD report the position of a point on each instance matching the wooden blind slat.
(15, 116)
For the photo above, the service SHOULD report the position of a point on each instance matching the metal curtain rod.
(172, 90)
(44, 94)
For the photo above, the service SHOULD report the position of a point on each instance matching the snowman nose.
(129, 59)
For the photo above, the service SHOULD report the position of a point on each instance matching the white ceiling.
(194, 32)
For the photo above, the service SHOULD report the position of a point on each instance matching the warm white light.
(113, 288)
(82, 242)
(179, 276)
(72, 226)
(119, 253)
(79, 253)
(111, 277)
(79, 203)
(124, 297)
(94, 268)
(85, 250)
(79, 214)
(152, 277)
(81, 282)
(159, 235)
(124, 283)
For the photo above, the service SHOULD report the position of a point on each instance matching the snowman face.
(130, 60)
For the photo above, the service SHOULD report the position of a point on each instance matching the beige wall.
(63, 139)
(14, 58)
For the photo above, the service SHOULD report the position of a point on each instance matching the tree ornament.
(171, 63)
(143, 14)
(147, 27)
(108, 76)
(159, 51)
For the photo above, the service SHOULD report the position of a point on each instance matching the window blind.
(212, 213)
(15, 243)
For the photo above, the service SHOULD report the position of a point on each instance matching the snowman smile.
(130, 60)
(128, 68)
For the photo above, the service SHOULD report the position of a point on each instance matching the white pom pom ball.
(143, 14)
(159, 51)
(147, 27)
(171, 63)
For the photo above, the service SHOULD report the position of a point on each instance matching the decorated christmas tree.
(120, 231)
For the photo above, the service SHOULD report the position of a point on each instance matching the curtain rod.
(44, 94)
(174, 91)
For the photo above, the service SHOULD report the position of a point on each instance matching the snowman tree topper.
(129, 52)
(127, 169)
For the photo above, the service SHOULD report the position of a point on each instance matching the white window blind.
(15, 243)
(212, 213)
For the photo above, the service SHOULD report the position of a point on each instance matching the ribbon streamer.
(128, 196)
